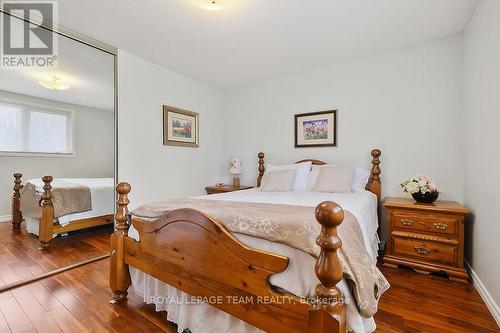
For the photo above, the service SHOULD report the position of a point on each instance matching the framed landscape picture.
(316, 129)
(180, 127)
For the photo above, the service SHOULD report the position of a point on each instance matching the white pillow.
(278, 181)
(312, 177)
(300, 177)
(334, 179)
(359, 179)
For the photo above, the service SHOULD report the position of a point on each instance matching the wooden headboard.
(374, 185)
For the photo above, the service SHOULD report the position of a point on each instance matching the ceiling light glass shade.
(54, 84)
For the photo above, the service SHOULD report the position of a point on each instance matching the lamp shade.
(235, 166)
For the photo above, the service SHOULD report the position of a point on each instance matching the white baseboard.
(485, 295)
(5, 218)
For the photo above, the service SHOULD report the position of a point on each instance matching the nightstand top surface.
(438, 205)
(228, 188)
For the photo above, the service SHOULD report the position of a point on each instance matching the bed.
(186, 255)
(51, 206)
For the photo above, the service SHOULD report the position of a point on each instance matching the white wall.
(156, 171)
(481, 143)
(94, 149)
(406, 102)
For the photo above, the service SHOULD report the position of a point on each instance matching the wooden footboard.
(47, 227)
(197, 255)
(46, 224)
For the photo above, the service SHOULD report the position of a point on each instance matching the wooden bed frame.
(47, 226)
(197, 255)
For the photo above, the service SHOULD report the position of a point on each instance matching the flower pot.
(428, 197)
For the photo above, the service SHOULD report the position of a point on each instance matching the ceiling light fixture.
(54, 83)
(212, 5)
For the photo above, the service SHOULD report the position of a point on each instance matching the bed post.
(119, 277)
(328, 313)
(374, 185)
(261, 168)
(46, 224)
(17, 216)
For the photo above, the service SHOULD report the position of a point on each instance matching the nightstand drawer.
(424, 250)
(432, 223)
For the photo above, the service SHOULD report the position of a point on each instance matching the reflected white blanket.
(299, 277)
(102, 196)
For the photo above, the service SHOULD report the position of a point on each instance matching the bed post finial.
(261, 168)
(375, 186)
(17, 216)
(123, 189)
(47, 219)
(47, 194)
(328, 270)
(119, 277)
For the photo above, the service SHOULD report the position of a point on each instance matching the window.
(28, 130)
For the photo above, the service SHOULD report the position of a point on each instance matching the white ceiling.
(90, 73)
(249, 41)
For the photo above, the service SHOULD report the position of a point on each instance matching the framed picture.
(316, 129)
(180, 127)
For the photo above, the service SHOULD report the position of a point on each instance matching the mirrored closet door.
(57, 155)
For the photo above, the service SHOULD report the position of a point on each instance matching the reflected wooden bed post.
(17, 216)
(328, 313)
(261, 168)
(119, 277)
(46, 227)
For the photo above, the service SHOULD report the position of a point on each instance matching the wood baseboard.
(484, 293)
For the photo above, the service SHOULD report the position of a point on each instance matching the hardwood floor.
(21, 259)
(428, 303)
(77, 301)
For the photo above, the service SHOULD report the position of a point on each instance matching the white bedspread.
(102, 197)
(299, 277)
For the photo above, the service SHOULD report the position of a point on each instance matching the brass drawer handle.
(440, 226)
(406, 222)
(422, 250)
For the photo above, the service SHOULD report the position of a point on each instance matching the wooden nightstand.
(225, 188)
(426, 237)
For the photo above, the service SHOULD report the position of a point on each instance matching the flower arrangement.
(419, 183)
(422, 188)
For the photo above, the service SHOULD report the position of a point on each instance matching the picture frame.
(316, 129)
(180, 127)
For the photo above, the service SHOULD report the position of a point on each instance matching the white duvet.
(299, 277)
(102, 196)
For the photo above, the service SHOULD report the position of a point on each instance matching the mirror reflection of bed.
(57, 163)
